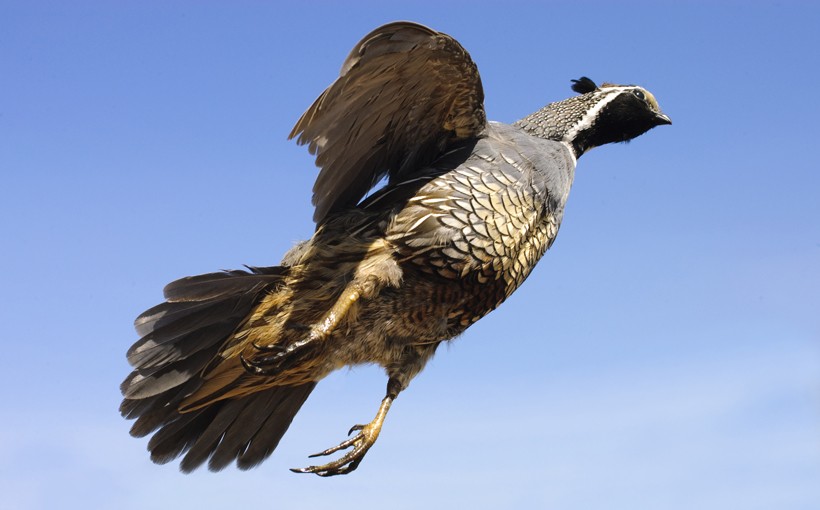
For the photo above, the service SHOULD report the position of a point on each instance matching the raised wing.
(404, 94)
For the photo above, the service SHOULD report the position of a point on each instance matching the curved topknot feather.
(583, 85)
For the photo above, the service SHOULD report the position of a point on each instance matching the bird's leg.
(271, 363)
(361, 443)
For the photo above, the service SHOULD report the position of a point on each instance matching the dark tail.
(179, 339)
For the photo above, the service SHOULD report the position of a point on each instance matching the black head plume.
(583, 85)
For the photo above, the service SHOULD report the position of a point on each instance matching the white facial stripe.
(589, 117)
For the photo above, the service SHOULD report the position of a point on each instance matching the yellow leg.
(271, 364)
(361, 443)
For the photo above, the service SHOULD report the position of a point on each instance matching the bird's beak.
(662, 118)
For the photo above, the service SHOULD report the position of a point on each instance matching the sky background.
(664, 354)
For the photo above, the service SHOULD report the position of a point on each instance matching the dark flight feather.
(404, 94)
(180, 337)
(220, 284)
(266, 439)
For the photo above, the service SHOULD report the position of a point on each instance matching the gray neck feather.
(555, 120)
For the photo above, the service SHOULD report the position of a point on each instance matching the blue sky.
(664, 354)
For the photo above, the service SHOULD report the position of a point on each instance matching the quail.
(469, 207)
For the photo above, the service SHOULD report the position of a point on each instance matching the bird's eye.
(639, 94)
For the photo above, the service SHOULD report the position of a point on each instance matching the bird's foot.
(361, 443)
(276, 358)
(349, 461)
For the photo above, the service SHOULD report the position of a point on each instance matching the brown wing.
(404, 94)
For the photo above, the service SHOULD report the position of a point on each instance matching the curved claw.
(361, 443)
(251, 366)
(268, 347)
(272, 364)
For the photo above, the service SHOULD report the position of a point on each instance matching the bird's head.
(597, 116)
(613, 113)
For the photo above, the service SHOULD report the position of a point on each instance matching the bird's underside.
(225, 363)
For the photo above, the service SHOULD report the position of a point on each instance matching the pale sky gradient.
(665, 354)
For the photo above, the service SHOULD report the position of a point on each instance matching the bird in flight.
(469, 207)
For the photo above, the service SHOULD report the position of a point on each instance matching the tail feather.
(255, 424)
(180, 338)
(209, 439)
(151, 413)
(264, 441)
(144, 383)
(168, 320)
(211, 285)
(150, 353)
(179, 435)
